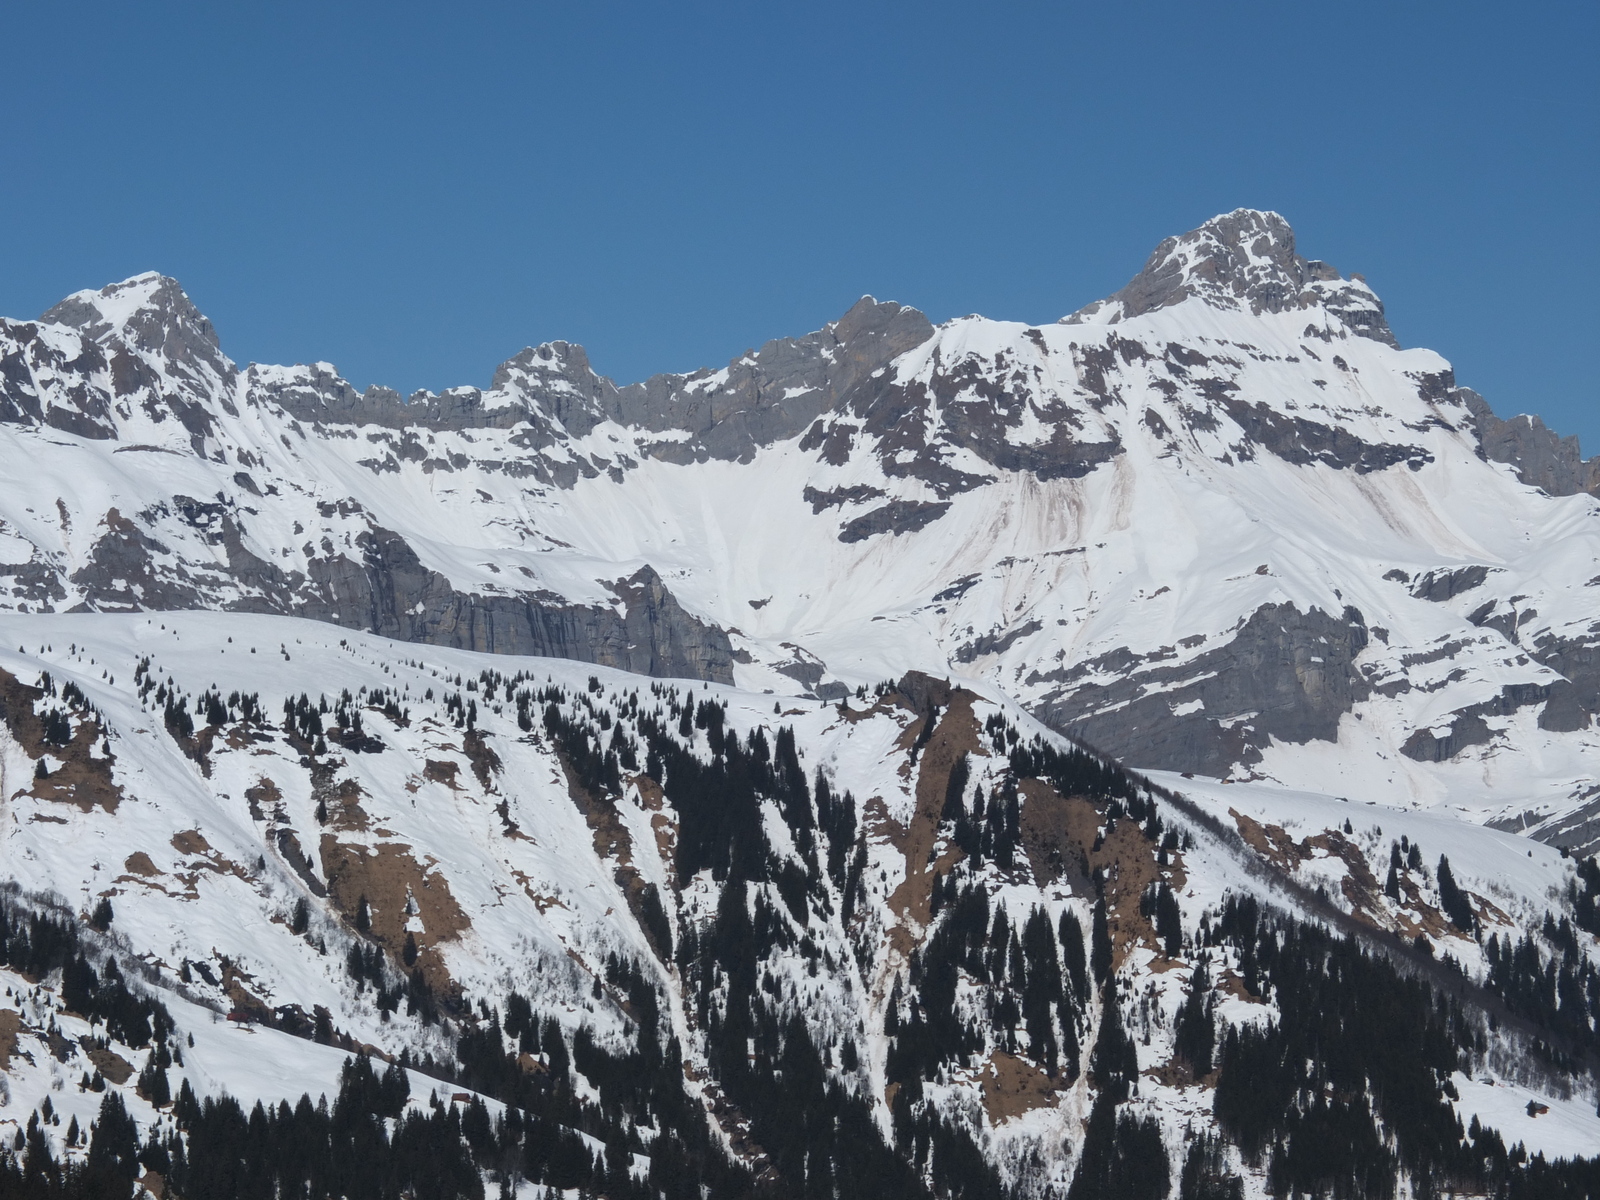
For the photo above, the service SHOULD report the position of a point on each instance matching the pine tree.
(1453, 900)
(1194, 1036)
(1100, 951)
(1072, 954)
(1114, 1063)
(113, 1161)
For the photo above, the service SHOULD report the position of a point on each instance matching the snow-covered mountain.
(685, 783)
(1218, 523)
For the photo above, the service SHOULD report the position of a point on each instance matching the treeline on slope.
(1557, 992)
(818, 1134)
(56, 723)
(365, 1146)
(1027, 989)
(1347, 1089)
(1356, 1067)
(37, 944)
(545, 1135)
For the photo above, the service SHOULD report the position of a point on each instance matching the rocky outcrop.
(1441, 585)
(1541, 457)
(775, 393)
(1576, 830)
(897, 517)
(1299, 441)
(1242, 259)
(388, 590)
(1284, 675)
(551, 391)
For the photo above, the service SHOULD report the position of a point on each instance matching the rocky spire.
(1244, 259)
(149, 313)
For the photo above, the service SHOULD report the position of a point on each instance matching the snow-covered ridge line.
(1236, 531)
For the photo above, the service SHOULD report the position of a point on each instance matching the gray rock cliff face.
(1541, 457)
(1284, 674)
(388, 591)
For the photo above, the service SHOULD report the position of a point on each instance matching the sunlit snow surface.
(1162, 550)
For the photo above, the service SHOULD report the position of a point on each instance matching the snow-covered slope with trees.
(972, 760)
(906, 939)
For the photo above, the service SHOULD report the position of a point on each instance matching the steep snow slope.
(1219, 523)
(456, 815)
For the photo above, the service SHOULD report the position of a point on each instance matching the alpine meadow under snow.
(1151, 754)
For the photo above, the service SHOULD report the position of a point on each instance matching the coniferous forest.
(1340, 1087)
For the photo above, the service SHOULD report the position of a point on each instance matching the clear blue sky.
(416, 191)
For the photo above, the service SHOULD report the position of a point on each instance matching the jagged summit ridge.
(150, 312)
(1244, 259)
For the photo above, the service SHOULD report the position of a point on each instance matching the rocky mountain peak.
(1242, 260)
(150, 313)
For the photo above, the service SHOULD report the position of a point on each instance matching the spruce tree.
(1100, 951)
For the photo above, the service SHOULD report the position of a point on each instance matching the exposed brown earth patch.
(109, 1063)
(138, 863)
(190, 841)
(10, 1031)
(1057, 832)
(83, 779)
(1412, 915)
(1232, 984)
(1058, 836)
(235, 985)
(485, 762)
(1176, 1074)
(955, 735)
(612, 841)
(1272, 842)
(442, 771)
(387, 875)
(541, 901)
(852, 716)
(340, 800)
(1012, 1086)
(263, 796)
(1129, 862)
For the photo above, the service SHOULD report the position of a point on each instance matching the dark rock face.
(761, 397)
(1577, 830)
(1302, 442)
(391, 593)
(1440, 586)
(1540, 456)
(1243, 259)
(388, 591)
(1562, 712)
(25, 356)
(1578, 658)
(776, 392)
(897, 517)
(1286, 674)
(991, 643)
(191, 376)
